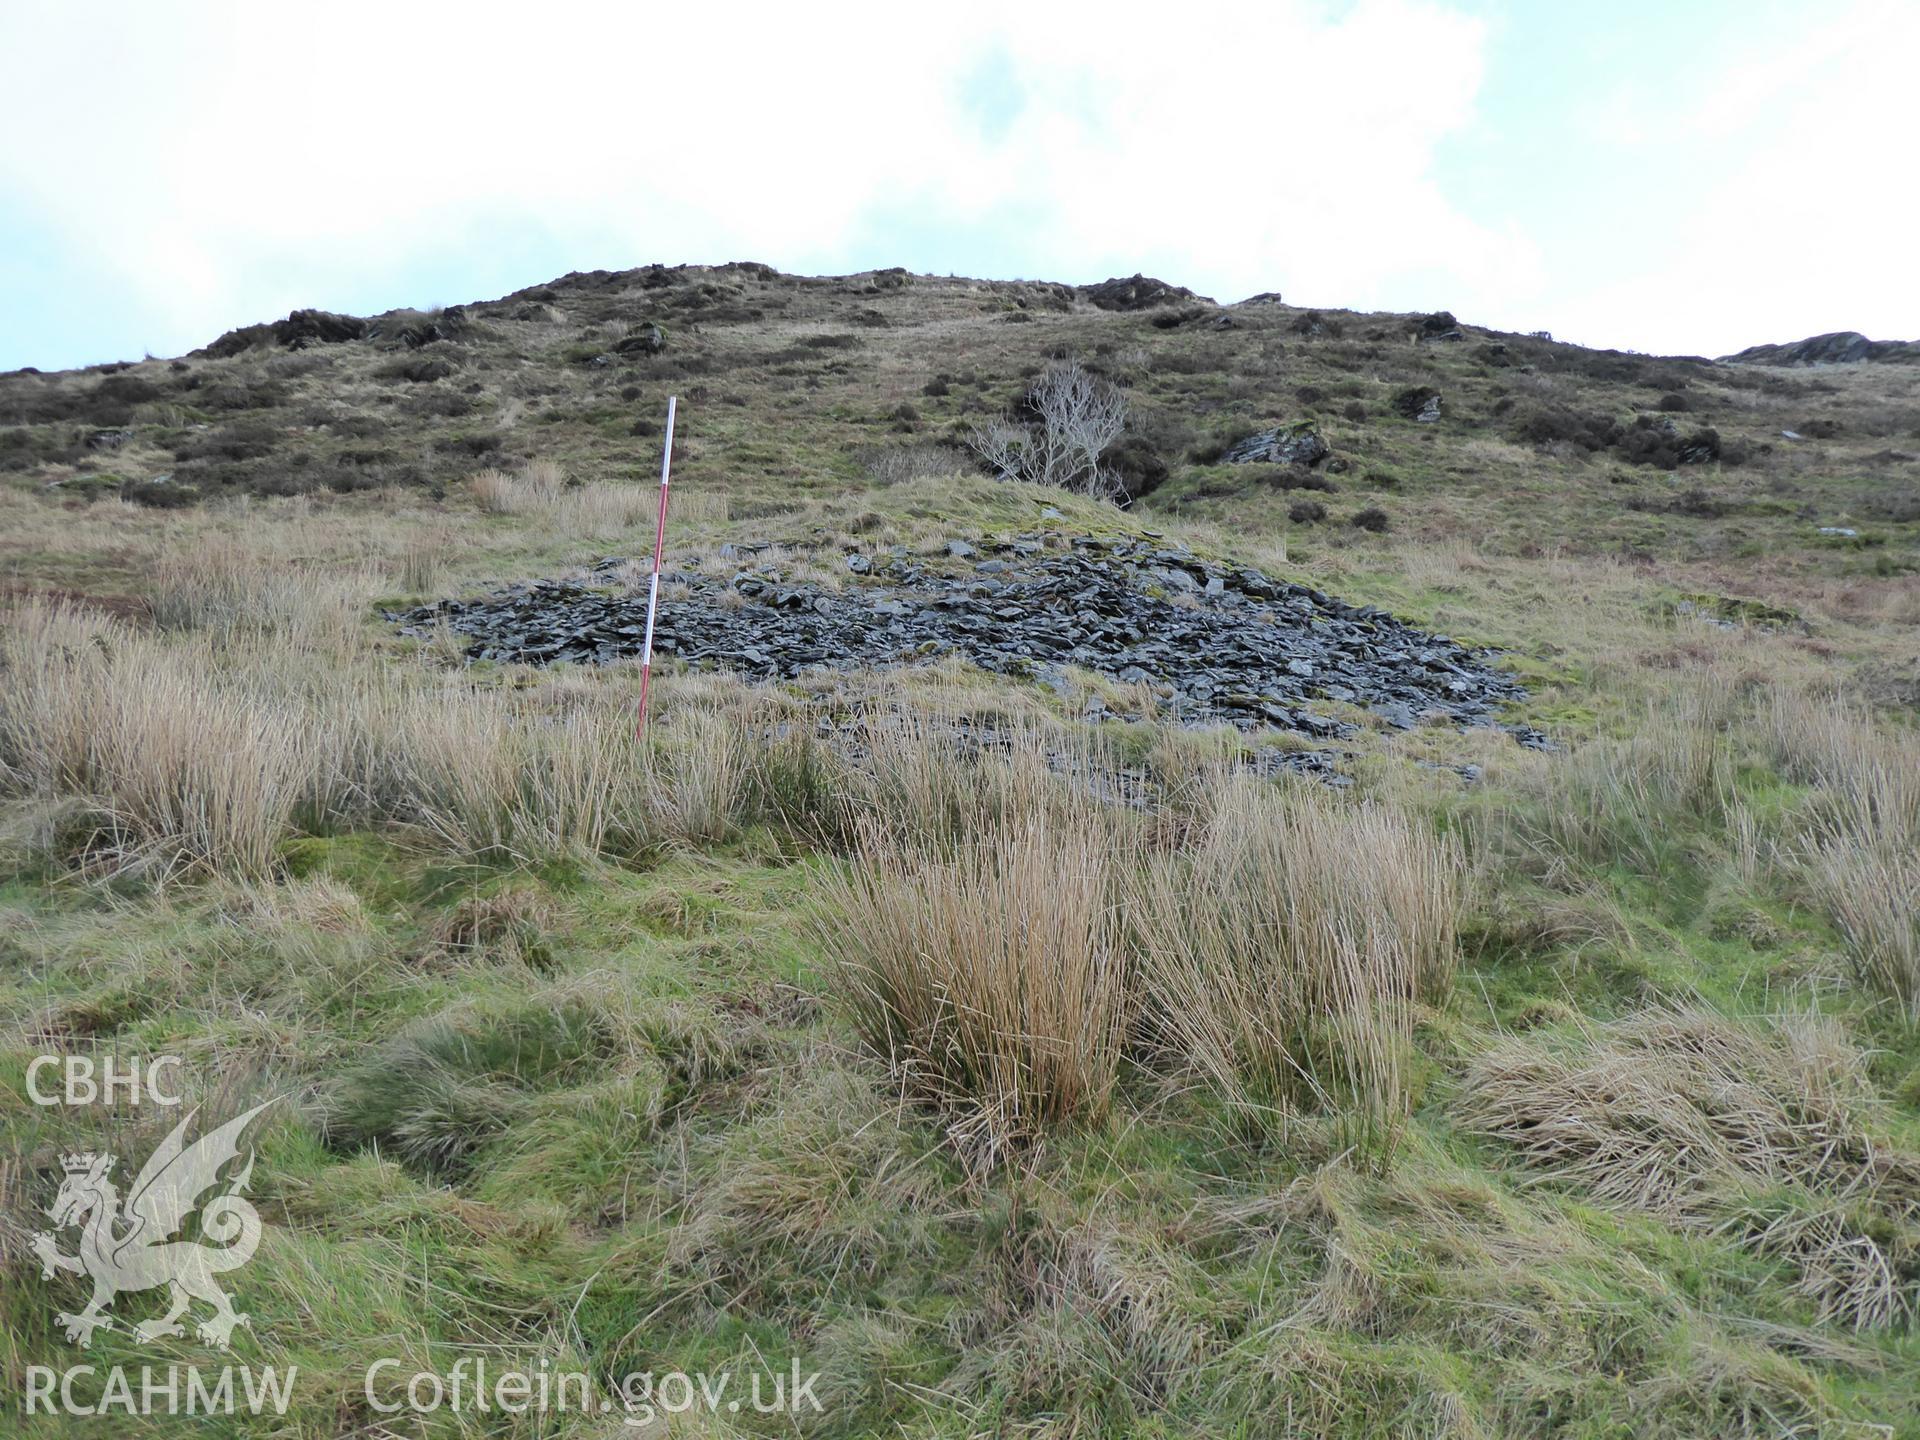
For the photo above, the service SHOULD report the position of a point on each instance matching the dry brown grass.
(513, 921)
(1862, 851)
(419, 564)
(227, 587)
(1656, 1111)
(1616, 800)
(1007, 907)
(175, 771)
(1873, 894)
(1284, 956)
(984, 959)
(1871, 775)
(203, 752)
(1682, 1113)
(535, 487)
(540, 491)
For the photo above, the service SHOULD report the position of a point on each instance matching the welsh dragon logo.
(133, 1248)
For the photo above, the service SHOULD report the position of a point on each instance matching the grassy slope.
(672, 1151)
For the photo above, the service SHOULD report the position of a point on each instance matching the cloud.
(228, 162)
(1774, 199)
(173, 171)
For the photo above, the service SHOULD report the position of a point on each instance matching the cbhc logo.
(83, 1081)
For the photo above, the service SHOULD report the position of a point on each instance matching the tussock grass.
(441, 1089)
(417, 568)
(541, 491)
(535, 487)
(1870, 776)
(487, 778)
(203, 752)
(1680, 1112)
(833, 1189)
(513, 922)
(1862, 851)
(983, 958)
(1620, 800)
(229, 592)
(1873, 894)
(175, 770)
(1006, 918)
(1284, 955)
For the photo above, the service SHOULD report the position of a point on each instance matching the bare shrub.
(1077, 416)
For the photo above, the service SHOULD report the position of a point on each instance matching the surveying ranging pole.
(653, 586)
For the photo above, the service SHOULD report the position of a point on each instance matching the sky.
(1670, 176)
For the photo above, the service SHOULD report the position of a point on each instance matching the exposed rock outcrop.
(1842, 347)
(1138, 292)
(1295, 444)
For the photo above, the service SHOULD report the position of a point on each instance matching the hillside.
(1396, 915)
(798, 387)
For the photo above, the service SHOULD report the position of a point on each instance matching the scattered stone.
(1295, 444)
(108, 439)
(1419, 403)
(648, 340)
(1240, 646)
(1322, 765)
(1440, 326)
(1469, 774)
(1842, 531)
(1728, 611)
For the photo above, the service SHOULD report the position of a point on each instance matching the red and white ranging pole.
(653, 586)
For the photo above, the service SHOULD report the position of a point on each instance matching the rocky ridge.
(1841, 347)
(1219, 643)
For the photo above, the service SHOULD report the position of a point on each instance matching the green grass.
(668, 1151)
(615, 1111)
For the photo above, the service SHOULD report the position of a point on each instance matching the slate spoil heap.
(1226, 644)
